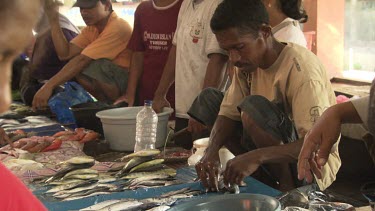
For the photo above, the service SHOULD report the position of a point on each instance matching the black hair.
(293, 9)
(105, 1)
(245, 15)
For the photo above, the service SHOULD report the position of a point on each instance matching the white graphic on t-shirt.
(157, 41)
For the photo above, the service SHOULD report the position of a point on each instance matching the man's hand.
(4, 138)
(159, 103)
(195, 127)
(240, 167)
(208, 170)
(126, 99)
(51, 8)
(317, 145)
(40, 100)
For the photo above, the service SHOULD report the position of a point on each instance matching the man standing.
(195, 60)
(289, 90)
(98, 56)
(150, 44)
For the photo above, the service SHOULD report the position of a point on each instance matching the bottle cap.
(148, 102)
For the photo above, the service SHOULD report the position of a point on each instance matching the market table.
(186, 174)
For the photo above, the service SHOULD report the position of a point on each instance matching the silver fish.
(171, 172)
(81, 171)
(160, 201)
(122, 205)
(81, 197)
(132, 163)
(83, 176)
(165, 195)
(151, 168)
(80, 160)
(148, 183)
(148, 177)
(63, 196)
(160, 208)
(75, 190)
(147, 165)
(69, 186)
(89, 192)
(64, 182)
(100, 205)
(142, 153)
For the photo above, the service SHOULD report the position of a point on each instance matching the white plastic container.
(119, 126)
(199, 147)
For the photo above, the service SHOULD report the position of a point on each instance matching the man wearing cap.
(278, 92)
(98, 59)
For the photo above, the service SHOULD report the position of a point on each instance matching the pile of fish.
(76, 180)
(81, 135)
(144, 171)
(152, 204)
(36, 144)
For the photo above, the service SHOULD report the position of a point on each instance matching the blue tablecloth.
(184, 174)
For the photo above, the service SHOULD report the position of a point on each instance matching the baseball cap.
(87, 4)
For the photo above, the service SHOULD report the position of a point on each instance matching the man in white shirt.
(195, 61)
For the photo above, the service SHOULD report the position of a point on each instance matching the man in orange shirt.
(98, 56)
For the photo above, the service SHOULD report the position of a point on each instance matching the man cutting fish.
(277, 93)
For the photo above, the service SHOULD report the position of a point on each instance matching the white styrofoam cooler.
(119, 127)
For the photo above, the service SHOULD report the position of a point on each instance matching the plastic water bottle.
(147, 122)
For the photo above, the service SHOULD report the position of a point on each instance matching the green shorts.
(104, 70)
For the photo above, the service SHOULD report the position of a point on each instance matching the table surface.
(185, 174)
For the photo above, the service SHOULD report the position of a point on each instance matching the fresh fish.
(160, 208)
(132, 163)
(142, 153)
(168, 194)
(100, 205)
(148, 183)
(80, 160)
(186, 194)
(70, 186)
(169, 171)
(151, 168)
(145, 206)
(91, 191)
(64, 182)
(82, 176)
(148, 177)
(106, 179)
(122, 205)
(76, 190)
(63, 196)
(61, 173)
(160, 201)
(81, 171)
(147, 165)
(81, 197)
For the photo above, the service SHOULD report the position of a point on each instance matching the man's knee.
(206, 106)
(255, 108)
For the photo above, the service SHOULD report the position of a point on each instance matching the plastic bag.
(73, 94)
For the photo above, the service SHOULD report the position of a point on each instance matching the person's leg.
(104, 80)
(267, 125)
(204, 109)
